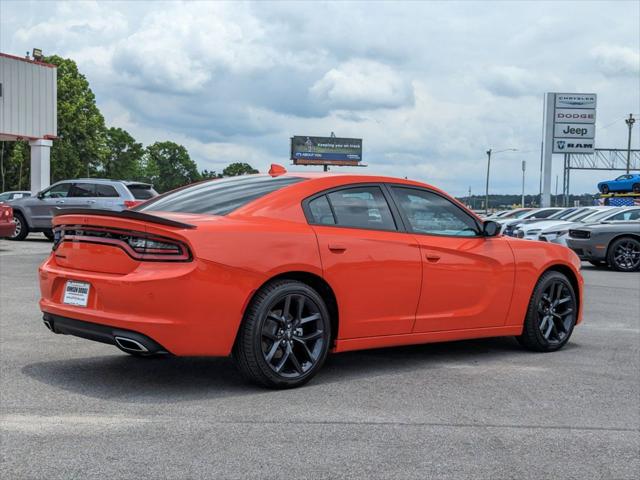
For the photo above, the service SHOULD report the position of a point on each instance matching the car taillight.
(138, 245)
(132, 203)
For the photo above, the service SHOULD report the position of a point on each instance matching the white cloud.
(362, 84)
(429, 86)
(616, 60)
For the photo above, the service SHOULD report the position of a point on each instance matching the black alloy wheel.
(556, 312)
(605, 189)
(624, 254)
(636, 188)
(284, 338)
(551, 315)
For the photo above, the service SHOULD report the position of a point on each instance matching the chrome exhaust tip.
(47, 324)
(130, 345)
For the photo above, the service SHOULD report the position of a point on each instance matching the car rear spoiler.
(144, 217)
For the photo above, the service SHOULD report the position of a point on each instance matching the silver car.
(13, 195)
(34, 214)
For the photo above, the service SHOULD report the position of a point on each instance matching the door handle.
(336, 248)
(59, 201)
(432, 257)
(91, 201)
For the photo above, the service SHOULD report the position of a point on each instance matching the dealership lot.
(485, 408)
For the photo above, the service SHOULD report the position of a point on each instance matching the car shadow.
(175, 379)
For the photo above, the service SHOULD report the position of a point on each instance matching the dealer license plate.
(76, 293)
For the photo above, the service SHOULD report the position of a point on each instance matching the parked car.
(34, 214)
(7, 225)
(277, 270)
(13, 195)
(558, 233)
(508, 225)
(624, 183)
(616, 244)
(532, 229)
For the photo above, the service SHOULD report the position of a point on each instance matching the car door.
(373, 266)
(40, 208)
(81, 195)
(467, 278)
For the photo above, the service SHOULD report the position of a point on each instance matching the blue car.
(624, 183)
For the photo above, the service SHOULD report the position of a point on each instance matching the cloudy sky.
(429, 86)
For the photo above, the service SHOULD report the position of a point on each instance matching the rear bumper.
(190, 309)
(7, 229)
(126, 340)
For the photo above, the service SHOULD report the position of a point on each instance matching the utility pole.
(629, 121)
(486, 196)
(524, 167)
(469, 198)
(556, 190)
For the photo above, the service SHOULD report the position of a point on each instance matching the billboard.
(307, 150)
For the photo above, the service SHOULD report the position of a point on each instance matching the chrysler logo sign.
(573, 100)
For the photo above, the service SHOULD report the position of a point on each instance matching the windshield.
(217, 197)
(562, 214)
(594, 216)
(518, 214)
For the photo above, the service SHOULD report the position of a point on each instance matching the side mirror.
(40, 195)
(490, 228)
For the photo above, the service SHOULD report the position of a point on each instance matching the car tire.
(551, 315)
(284, 337)
(605, 189)
(636, 188)
(49, 235)
(623, 254)
(22, 229)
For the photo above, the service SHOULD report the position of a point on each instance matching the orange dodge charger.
(279, 269)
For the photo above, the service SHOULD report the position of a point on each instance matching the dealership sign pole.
(569, 127)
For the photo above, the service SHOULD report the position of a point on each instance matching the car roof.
(103, 180)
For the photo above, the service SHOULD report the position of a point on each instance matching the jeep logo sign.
(573, 130)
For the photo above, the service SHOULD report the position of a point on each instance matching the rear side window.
(106, 191)
(361, 207)
(82, 190)
(321, 211)
(217, 197)
(628, 215)
(142, 191)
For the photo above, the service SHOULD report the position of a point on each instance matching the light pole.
(486, 196)
(524, 167)
(629, 121)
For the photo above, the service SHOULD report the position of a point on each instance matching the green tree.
(235, 169)
(14, 165)
(207, 174)
(168, 165)
(80, 148)
(123, 157)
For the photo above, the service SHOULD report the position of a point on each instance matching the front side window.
(57, 191)
(217, 197)
(361, 207)
(430, 213)
(626, 216)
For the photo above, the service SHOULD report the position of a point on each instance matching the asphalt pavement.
(75, 409)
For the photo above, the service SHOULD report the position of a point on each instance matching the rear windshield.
(141, 191)
(217, 197)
